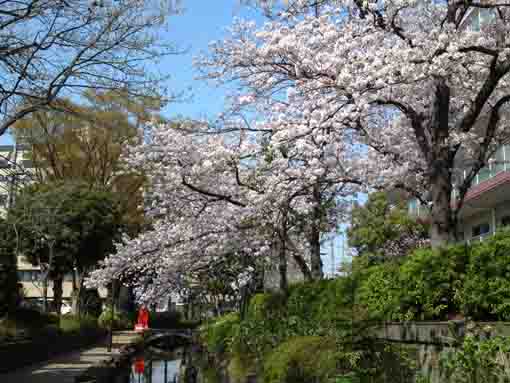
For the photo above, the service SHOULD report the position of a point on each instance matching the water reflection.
(156, 367)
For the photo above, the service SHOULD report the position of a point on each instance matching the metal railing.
(479, 238)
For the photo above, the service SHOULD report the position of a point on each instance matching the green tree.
(380, 230)
(67, 227)
(85, 142)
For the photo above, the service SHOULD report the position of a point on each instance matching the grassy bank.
(307, 336)
(317, 332)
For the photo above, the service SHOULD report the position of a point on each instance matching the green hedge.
(485, 293)
(170, 320)
(219, 333)
(430, 284)
(121, 320)
(302, 360)
(19, 354)
(314, 323)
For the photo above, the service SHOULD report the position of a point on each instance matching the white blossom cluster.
(345, 96)
(215, 194)
(410, 85)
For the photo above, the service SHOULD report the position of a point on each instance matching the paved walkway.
(64, 368)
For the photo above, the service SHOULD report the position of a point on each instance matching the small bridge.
(154, 334)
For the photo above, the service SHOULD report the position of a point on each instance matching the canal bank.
(67, 367)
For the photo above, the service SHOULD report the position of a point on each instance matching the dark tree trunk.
(8, 285)
(315, 245)
(442, 227)
(282, 266)
(57, 294)
(305, 270)
(45, 294)
(76, 294)
(441, 162)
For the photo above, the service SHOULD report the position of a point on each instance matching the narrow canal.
(161, 362)
(164, 363)
(168, 361)
(153, 368)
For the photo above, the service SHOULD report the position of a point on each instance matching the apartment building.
(486, 206)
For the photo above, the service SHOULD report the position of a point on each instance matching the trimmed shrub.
(423, 286)
(302, 360)
(429, 280)
(485, 294)
(380, 292)
(71, 324)
(121, 320)
(219, 333)
(32, 318)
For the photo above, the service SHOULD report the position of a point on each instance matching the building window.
(3, 199)
(481, 229)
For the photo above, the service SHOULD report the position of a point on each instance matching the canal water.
(155, 366)
(167, 363)
(162, 364)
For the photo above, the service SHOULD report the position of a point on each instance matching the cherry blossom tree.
(418, 95)
(219, 193)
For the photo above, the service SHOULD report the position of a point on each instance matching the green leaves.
(422, 286)
(82, 222)
(378, 225)
(486, 291)
(430, 284)
(478, 359)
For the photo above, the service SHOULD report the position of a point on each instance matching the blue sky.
(201, 22)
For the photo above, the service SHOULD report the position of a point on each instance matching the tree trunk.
(442, 229)
(282, 266)
(45, 294)
(305, 270)
(76, 296)
(441, 163)
(315, 245)
(57, 294)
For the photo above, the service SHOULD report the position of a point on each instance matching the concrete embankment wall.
(429, 339)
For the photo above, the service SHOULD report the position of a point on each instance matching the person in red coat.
(143, 317)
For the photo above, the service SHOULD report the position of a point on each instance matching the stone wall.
(429, 339)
